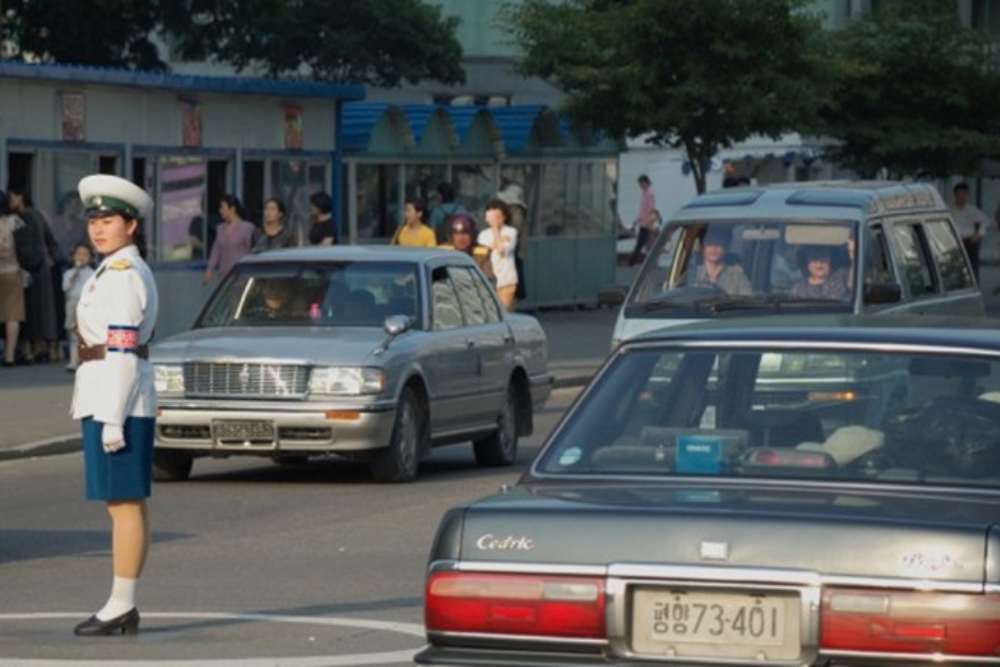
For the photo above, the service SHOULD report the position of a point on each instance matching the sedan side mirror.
(612, 296)
(394, 325)
(876, 293)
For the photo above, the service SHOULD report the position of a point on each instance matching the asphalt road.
(252, 563)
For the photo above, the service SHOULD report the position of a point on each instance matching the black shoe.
(127, 624)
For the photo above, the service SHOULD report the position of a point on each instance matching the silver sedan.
(376, 354)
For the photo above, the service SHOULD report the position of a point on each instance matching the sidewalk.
(35, 400)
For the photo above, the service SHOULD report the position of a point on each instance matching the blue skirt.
(126, 474)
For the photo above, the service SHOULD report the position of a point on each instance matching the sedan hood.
(315, 345)
(838, 532)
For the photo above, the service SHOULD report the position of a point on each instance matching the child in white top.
(501, 238)
(73, 281)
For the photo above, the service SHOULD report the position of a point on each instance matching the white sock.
(122, 599)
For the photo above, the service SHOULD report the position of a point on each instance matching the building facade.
(187, 140)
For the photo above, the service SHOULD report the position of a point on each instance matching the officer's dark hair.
(4, 203)
(232, 201)
(961, 186)
(139, 236)
(322, 202)
(280, 204)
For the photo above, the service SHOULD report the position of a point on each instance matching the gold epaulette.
(446, 246)
(481, 251)
(120, 265)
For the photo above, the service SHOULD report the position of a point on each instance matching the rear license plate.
(244, 433)
(700, 623)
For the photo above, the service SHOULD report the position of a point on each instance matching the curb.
(64, 444)
(571, 381)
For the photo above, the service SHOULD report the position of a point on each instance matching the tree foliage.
(688, 73)
(377, 42)
(109, 33)
(915, 93)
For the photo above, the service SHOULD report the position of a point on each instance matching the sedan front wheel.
(399, 461)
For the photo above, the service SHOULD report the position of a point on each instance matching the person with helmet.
(462, 236)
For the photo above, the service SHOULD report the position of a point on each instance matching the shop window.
(377, 203)
(253, 189)
(183, 186)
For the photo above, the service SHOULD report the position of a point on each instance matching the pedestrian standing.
(513, 196)
(461, 237)
(414, 230)
(275, 233)
(501, 238)
(234, 237)
(73, 281)
(323, 231)
(445, 208)
(40, 335)
(970, 222)
(11, 282)
(114, 394)
(645, 222)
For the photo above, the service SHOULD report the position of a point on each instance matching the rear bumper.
(471, 657)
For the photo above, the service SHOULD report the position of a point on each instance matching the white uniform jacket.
(118, 308)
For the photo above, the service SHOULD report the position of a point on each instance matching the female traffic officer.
(114, 394)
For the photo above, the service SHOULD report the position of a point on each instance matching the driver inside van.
(714, 270)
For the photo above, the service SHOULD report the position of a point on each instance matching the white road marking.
(414, 629)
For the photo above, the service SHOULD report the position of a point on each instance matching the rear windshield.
(733, 264)
(859, 415)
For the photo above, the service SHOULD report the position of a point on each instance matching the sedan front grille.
(245, 380)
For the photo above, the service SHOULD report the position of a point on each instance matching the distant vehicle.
(682, 513)
(893, 246)
(375, 354)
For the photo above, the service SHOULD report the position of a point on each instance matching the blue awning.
(519, 129)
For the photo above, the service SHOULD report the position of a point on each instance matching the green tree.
(696, 74)
(377, 42)
(109, 33)
(915, 93)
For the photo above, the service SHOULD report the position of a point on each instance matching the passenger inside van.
(822, 280)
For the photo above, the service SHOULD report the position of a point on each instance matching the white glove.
(112, 438)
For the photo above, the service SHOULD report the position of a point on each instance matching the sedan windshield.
(335, 293)
(791, 413)
(738, 264)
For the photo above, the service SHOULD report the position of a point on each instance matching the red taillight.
(908, 622)
(514, 604)
(789, 457)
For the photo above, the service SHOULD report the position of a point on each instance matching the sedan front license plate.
(244, 433)
(700, 623)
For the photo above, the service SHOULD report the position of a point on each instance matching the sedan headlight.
(336, 381)
(169, 380)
